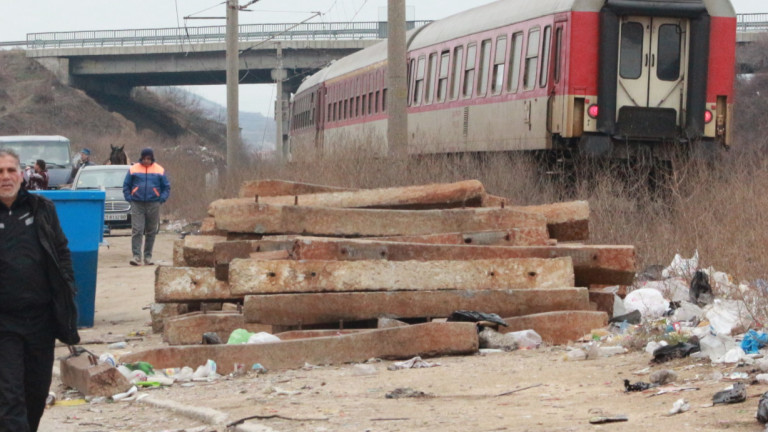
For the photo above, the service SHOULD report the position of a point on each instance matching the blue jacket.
(148, 184)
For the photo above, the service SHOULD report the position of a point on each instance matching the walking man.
(37, 298)
(146, 187)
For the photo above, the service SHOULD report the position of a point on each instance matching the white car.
(109, 178)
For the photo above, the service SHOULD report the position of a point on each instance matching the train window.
(357, 106)
(458, 57)
(376, 102)
(383, 100)
(418, 89)
(365, 104)
(485, 63)
(370, 103)
(344, 110)
(442, 78)
(631, 55)
(558, 52)
(531, 59)
(515, 56)
(544, 73)
(411, 68)
(432, 66)
(498, 65)
(668, 68)
(469, 70)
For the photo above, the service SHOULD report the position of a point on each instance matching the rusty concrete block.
(430, 339)
(263, 277)
(198, 249)
(265, 188)
(306, 309)
(92, 380)
(559, 327)
(566, 221)
(603, 301)
(224, 252)
(208, 227)
(306, 334)
(188, 329)
(532, 236)
(159, 312)
(593, 264)
(188, 284)
(325, 221)
(178, 253)
(495, 201)
(466, 193)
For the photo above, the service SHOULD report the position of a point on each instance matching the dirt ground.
(525, 390)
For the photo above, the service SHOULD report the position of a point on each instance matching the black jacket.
(60, 271)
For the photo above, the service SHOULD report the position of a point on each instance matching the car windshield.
(55, 154)
(96, 179)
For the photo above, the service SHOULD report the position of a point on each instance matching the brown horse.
(117, 156)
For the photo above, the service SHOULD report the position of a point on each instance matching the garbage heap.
(379, 270)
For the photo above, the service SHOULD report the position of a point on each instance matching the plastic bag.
(648, 301)
(682, 267)
(239, 337)
(753, 341)
(262, 337)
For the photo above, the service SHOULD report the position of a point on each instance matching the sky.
(17, 18)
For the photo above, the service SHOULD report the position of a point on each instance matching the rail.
(211, 34)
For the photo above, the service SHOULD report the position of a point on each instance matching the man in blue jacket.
(146, 186)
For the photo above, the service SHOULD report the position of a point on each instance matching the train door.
(652, 70)
(557, 102)
(320, 113)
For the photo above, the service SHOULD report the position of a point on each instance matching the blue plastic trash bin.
(81, 214)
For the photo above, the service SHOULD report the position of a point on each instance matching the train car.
(606, 77)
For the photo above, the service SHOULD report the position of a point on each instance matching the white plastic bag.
(262, 337)
(648, 301)
(682, 267)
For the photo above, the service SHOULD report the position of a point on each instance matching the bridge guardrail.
(212, 34)
(752, 23)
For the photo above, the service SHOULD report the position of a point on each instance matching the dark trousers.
(26, 365)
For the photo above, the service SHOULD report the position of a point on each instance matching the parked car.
(53, 149)
(117, 211)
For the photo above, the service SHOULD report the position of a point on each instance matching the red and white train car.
(611, 77)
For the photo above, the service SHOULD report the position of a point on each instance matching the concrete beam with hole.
(263, 277)
(426, 340)
(224, 252)
(559, 327)
(92, 380)
(592, 264)
(340, 222)
(190, 284)
(188, 329)
(265, 188)
(566, 221)
(307, 309)
(468, 193)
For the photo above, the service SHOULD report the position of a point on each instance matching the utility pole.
(397, 103)
(233, 80)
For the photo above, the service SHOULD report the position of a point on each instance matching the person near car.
(146, 187)
(37, 297)
(85, 160)
(37, 177)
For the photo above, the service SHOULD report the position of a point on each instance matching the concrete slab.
(159, 312)
(263, 277)
(306, 309)
(178, 253)
(208, 227)
(592, 264)
(325, 221)
(264, 188)
(566, 221)
(189, 284)
(306, 334)
(426, 340)
(92, 380)
(559, 327)
(198, 249)
(188, 329)
(532, 236)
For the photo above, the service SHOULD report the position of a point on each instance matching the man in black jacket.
(37, 298)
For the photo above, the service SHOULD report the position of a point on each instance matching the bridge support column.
(281, 110)
(59, 66)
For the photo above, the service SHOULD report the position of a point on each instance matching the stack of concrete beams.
(299, 257)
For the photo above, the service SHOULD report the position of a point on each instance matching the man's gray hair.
(11, 153)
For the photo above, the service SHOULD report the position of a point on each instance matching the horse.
(117, 156)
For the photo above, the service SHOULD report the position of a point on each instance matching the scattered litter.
(680, 406)
(762, 409)
(753, 341)
(644, 371)
(734, 355)
(608, 419)
(653, 346)
(576, 354)
(672, 389)
(490, 338)
(734, 394)
(738, 376)
(701, 291)
(650, 302)
(126, 396)
(108, 359)
(636, 387)
(682, 267)
(117, 345)
(414, 363)
(526, 339)
(474, 316)
(71, 402)
(680, 350)
(262, 337)
(259, 369)
(633, 317)
(406, 392)
(51, 399)
(364, 370)
(211, 338)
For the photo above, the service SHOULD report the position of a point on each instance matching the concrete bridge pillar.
(281, 109)
(59, 66)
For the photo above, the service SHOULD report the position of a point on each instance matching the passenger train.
(606, 77)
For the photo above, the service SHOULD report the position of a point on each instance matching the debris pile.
(306, 260)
